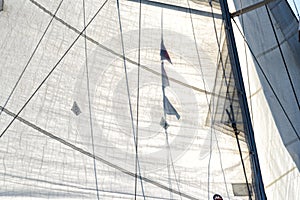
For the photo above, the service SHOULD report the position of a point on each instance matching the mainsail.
(83, 114)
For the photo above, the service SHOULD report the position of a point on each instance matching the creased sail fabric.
(271, 76)
(80, 124)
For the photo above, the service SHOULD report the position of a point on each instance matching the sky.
(297, 2)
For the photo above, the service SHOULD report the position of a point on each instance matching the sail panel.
(277, 129)
(51, 152)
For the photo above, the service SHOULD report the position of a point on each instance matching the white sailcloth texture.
(164, 77)
(169, 109)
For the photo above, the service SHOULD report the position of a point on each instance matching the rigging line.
(283, 58)
(128, 94)
(268, 81)
(197, 50)
(32, 54)
(296, 9)
(82, 190)
(247, 66)
(84, 152)
(138, 99)
(171, 157)
(115, 53)
(55, 66)
(89, 99)
(233, 124)
(227, 91)
(233, 119)
(206, 96)
(165, 116)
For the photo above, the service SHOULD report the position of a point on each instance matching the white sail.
(76, 103)
(277, 129)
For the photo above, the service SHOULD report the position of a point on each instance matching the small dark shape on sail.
(164, 123)
(75, 108)
(164, 55)
(1, 4)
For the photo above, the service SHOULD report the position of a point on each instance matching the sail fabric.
(270, 80)
(50, 152)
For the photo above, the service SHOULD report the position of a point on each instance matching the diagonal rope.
(296, 9)
(89, 99)
(55, 66)
(98, 158)
(128, 94)
(247, 66)
(282, 56)
(109, 50)
(30, 58)
(169, 155)
(212, 109)
(138, 100)
(268, 82)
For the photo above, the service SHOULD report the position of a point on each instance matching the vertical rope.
(89, 100)
(169, 155)
(137, 100)
(227, 93)
(282, 56)
(128, 93)
(247, 66)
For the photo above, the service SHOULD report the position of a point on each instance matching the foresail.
(82, 113)
(271, 67)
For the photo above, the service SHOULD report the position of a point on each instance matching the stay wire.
(30, 58)
(128, 94)
(138, 99)
(172, 163)
(169, 155)
(206, 95)
(268, 81)
(163, 91)
(283, 58)
(296, 9)
(89, 99)
(90, 155)
(227, 92)
(247, 66)
(55, 66)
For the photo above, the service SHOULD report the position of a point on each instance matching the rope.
(55, 66)
(296, 9)
(137, 100)
(128, 94)
(86, 153)
(30, 58)
(268, 81)
(89, 100)
(227, 94)
(283, 58)
(169, 155)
